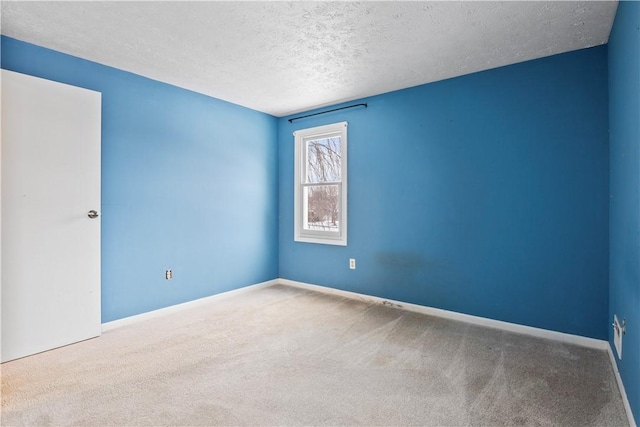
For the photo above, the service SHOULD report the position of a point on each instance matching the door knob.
(92, 214)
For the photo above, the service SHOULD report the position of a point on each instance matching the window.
(321, 185)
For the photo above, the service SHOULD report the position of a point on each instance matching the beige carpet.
(286, 356)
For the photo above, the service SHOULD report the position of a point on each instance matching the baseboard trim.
(623, 393)
(476, 320)
(108, 326)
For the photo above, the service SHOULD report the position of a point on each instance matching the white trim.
(476, 320)
(625, 399)
(108, 326)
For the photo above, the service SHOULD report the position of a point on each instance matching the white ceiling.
(286, 57)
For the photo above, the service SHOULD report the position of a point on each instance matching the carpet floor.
(287, 356)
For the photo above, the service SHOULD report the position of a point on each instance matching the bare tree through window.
(320, 195)
(323, 168)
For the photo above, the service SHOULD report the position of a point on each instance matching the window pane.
(322, 208)
(323, 160)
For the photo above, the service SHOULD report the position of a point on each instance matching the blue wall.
(624, 119)
(485, 194)
(189, 183)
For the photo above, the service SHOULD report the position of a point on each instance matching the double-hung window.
(321, 185)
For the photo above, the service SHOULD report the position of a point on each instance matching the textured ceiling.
(286, 57)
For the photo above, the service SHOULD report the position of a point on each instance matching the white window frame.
(319, 236)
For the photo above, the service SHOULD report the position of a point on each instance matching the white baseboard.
(184, 306)
(476, 320)
(625, 399)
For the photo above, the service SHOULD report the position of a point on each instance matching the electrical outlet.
(352, 263)
(168, 275)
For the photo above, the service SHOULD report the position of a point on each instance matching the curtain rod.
(328, 111)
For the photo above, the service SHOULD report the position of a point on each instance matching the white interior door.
(50, 246)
